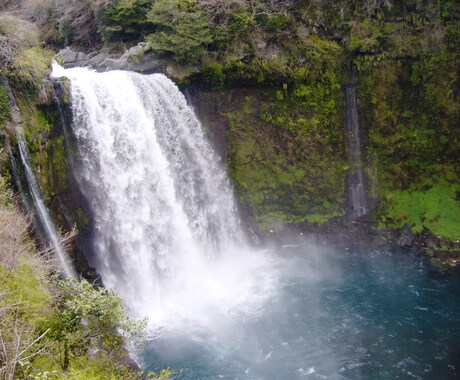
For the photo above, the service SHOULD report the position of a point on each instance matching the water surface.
(333, 315)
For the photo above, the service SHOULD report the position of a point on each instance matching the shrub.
(364, 37)
(214, 75)
(82, 314)
(126, 20)
(183, 29)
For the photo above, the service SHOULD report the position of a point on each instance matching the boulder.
(71, 58)
(136, 51)
(406, 236)
(113, 64)
(139, 58)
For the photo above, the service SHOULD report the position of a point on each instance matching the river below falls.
(332, 315)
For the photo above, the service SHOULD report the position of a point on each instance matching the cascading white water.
(357, 199)
(167, 234)
(42, 212)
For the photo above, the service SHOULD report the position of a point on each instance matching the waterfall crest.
(357, 197)
(163, 207)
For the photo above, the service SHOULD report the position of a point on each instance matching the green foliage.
(310, 60)
(321, 218)
(364, 37)
(37, 134)
(83, 314)
(23, 304)
(436, 209)
(285, 142)
(412, 114)
(126, 20)
(6, 194)
(21, 57)
(22, 288)
(240, 24)
(257, 71)
(275, 24)
(165, 374)
(52, 328)
(214, 75)
(183, 30)
(49, 152)
(4, 106)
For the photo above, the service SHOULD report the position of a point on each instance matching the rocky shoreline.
(440, 255)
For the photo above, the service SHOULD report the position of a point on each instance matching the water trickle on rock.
(357, 202)
(42, 214)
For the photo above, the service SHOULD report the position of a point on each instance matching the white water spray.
(167, 234)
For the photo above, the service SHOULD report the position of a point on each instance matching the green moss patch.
(436, 209)
(4, 106)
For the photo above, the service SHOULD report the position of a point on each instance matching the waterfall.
(162, 206)
(42, 213)
(356, 183)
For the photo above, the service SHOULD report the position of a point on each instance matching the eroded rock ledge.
(139, 58)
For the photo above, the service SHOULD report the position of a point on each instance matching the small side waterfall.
(42, 212)
(162, 205)
(357, 202)
(38, 205)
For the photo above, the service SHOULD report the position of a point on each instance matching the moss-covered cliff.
(411, 110)
(284, 134)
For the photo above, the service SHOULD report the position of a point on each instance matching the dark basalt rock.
(406, 237)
